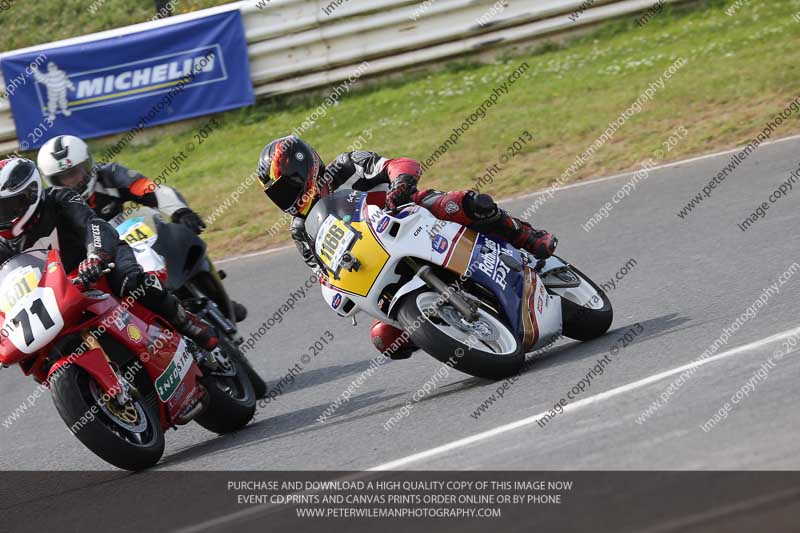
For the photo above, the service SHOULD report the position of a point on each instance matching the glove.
(91, 269)
(190, 219)
(401, 191)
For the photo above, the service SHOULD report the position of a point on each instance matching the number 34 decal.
(35, 320)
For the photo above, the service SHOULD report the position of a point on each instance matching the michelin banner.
(130, 82)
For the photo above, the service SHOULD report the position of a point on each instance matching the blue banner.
(130, 82)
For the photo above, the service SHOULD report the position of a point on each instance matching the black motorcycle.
(190, 274)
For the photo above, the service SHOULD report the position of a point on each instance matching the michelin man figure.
(57, 83)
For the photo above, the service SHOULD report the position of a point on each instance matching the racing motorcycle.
(174, 249)
(473, 302)
(120, 375)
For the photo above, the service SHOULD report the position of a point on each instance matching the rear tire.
(74, 395)
(583, 323)
(259, 385)
(232, 402)
(443, 347)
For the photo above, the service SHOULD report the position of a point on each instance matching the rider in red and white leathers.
(294, 178)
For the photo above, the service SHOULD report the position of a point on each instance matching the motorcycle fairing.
(509, 287)
(48, 281)
(171, 251)
(170, 366)
(415, 233)
(519, 291)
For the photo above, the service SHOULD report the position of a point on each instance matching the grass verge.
(27, 23)
(740, 71)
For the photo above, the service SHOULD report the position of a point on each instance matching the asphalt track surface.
(692, 278)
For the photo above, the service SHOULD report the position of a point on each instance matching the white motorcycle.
(471, 301)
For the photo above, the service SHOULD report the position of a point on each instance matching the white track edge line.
(472, 439)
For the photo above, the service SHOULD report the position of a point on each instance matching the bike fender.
(415, 283)
(95, 363)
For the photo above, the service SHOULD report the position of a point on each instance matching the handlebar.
(77, 280)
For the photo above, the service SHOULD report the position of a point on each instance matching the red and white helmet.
(20, 194)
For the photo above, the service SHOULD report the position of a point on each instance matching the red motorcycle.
(120, 375)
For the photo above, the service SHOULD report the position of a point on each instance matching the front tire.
(232, 401)
(128, 437)
(443, 337)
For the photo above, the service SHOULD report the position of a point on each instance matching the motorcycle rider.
(295, 177)
(32, 217)
(66, 161)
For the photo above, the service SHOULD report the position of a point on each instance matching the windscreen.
(19, 276)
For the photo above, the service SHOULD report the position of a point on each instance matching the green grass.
(741, 70)
(27, 23)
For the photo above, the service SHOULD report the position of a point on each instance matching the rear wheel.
(259, 385)
(585, 310)
(485, 347)
(128, 436)
(209, 286)
(232, 402)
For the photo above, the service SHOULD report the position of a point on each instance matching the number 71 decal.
(30, 333)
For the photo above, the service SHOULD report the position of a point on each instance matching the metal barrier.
(302, 44)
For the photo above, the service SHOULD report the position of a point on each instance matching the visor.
(13, 207)
(75, 177)
(285, 191)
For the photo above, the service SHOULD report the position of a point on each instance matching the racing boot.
(239, 311)
(390, 341)
(198, 330)
(540, 243)
(490, 219)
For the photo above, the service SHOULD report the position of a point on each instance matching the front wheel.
(127, 436)
(484, 348)
(232, 401)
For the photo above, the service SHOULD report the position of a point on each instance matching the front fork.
(468, 309)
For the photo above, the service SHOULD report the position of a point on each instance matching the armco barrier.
(302, 44)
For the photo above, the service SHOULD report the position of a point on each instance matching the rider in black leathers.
(66, 161)
(32, 217)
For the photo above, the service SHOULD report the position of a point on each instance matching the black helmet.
(289, 170)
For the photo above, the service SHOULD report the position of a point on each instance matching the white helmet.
(65, 161)
(20, 194)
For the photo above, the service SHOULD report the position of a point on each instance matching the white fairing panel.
(148, 258)
(336, 300)
(584, 295)
(547, 310)
(36, 320)
(418, 234)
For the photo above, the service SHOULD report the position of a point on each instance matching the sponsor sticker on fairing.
(167, 383)
(439, 243)
(492, 265)
(382, 225)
